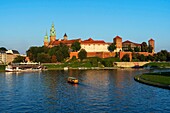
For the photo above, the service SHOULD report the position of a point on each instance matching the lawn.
(162, 78)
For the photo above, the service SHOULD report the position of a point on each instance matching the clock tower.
(52, 33)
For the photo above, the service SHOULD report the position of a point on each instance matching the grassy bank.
(87, 63)
(155, 79)
(158, 65)
(71, 65)
(162, 78)
(2, 67)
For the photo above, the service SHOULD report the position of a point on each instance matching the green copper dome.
(52, 30)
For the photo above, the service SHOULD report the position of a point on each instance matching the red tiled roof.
(151, 39)
(118, 37)
(91, 41)
(127, 41)
(57, 42)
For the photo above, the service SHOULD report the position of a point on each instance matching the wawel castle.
(95, 47)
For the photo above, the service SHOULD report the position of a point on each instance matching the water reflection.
(97, 91)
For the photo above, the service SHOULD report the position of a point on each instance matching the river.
(98, 91)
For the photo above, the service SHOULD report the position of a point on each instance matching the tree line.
(163, 55)
(55, 54)
(144, 48)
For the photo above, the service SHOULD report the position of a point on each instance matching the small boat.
(73, 80)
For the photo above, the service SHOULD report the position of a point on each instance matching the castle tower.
(151, 42)
(118, 42)
(52, 33)
(46, 40)
(65, 36)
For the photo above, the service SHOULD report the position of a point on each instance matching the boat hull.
(72, 80)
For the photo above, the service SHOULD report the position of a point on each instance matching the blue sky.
(23, 23)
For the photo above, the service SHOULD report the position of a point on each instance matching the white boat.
(23, 67)
(9, 68)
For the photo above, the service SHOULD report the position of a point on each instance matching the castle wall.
(121, 54)
(95, 54)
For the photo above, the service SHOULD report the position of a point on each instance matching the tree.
(129, 48)
(112, 47)
(32, 53)
(60, 56)
(76, 46)
(64, 49)
(82, 54)
(52, 51)
(150, 58)
(3, 49)
(144, 47)
(150, 49)
(19, 59)
(137, 49)
(126, 58)
(135, 56)
(162, 55)
(141, 57)
(43, 58)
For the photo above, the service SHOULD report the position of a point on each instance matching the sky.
(23, 23)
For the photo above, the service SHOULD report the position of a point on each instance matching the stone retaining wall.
(130, 64)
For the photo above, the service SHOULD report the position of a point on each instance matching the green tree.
(126, 58)
(82, 54)
(107, 62)
(43, 58)
(64, 49)
(19, 59)
(144, 47)
(129, 48)
(3, 49)
(60, 56)
(137, 49)
(150, 58)
(52, 51)
(135, 56)
(112, 47)
(76, 46)
(32, 53)
(162, 55)
(141, 57)
(150, 49)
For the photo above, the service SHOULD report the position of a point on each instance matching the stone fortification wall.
(95, 54)
(130, 64)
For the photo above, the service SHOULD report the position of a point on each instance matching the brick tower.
(118, 42)
(151, 42)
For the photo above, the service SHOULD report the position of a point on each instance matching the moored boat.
(72, 80)
(23, 67)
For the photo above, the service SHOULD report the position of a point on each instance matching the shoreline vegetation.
(160, 79)
(95, 64)
(101, 65)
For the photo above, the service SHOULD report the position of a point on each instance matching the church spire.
(46, 39)
(52, 33)
(52, 30)
(65, 36)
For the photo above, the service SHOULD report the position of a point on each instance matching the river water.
(98, 91)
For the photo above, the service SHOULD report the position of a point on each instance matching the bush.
(126, 58)
(82, 54)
